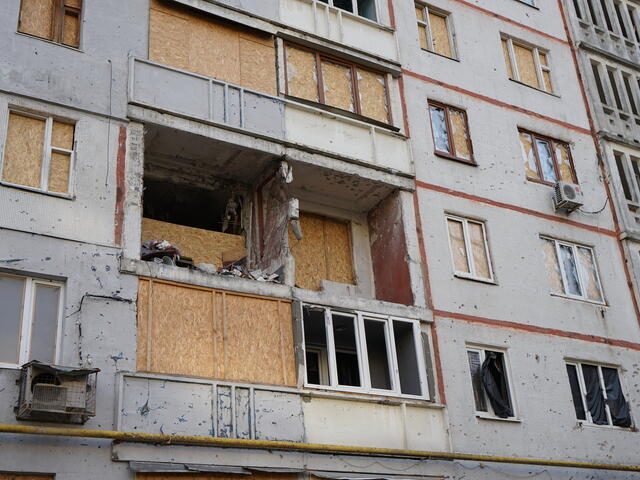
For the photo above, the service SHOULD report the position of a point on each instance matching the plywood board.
(302, 77)
(59, 170)
(62, 135)
(563, 157)
(528, 155)
(337, 239)
(204, 246)
(373, 95)
(214, 49)
(11, 476)
(71, 30)
(507, 58)
(257, 65)
(440, 34)
(168, 37)
(309, 252)
(460, 134)
(551, 263)
(458, 249)
(73, 3)
(36, 18)
(337, 83)
(23, 152)
(480, 260)
(142, 334)
(526, 65)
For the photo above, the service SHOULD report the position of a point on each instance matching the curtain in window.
(620, 414)
(595, 399)
(494, 380)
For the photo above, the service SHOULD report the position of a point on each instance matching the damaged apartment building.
(335, 239)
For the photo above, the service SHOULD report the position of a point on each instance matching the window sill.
(585, 424)
(9, 366)
(485, 416)
(541, 182)
(534, 88)
(37, 190)
(374, 397)
(579, 299)
(463, 276)
(440, 54)
(455, 159)
(46, 40)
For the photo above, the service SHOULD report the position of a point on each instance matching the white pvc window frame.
(355, 11)
(47, 150)
(362, 354)
(631, 180)
(482, 352)
(472, 274)
(26, 322)
(425, 23)
(581, 274)
(540, 68)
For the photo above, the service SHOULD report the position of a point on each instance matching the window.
(491, 386)
(527, 64)
(55, 20)
(605, 12)
(597, 395)
(358, 351)
(634, 22)
(450, 129)
(619, 8)
(546, 160)
(38, 153)
(469, 249)
(629, 172)
(318, 78)
(434, 30)
(363, 8)
(595, 67)
(31, 318)
(578, 9)
(572, 270)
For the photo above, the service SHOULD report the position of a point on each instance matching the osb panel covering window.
(526, 65)
(373, 95)
(56, 20)
(338, 85)
(215, 476)
(36, 17)
(324, 253)
(211, 47)
(201, 332)
(12, 476)
(440, 34)
(204, 246)
(302, 76)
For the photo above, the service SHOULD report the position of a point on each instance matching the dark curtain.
(595, 399)
(494, 379)
(620, 414)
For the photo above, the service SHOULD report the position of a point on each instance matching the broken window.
(597, 395)
(337, 83)
(363, 8)
(490, 381)
(323, 253)
(546, 160)
(55, 20)
(363, 352)
(38, 153)
(527, 64)
(31, 315)
(469, 249)
(572, 270)
(629, 171)
(450, 130)
(434, 30)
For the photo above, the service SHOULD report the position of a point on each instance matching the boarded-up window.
(324, 252)
(55, 20)
(337, 83)
(572, 270)
(450, 132)
(545, 159)
(434, 30)
(38, 153)
(215, 48)
(469, 249)
(201, 332)
(527, 64)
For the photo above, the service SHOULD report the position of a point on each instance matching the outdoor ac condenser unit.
(567, 197)
(51, 393)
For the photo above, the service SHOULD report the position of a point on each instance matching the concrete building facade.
(316, 238)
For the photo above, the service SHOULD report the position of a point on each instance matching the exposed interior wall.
(389, 252)
(213, 47)
(201, 332)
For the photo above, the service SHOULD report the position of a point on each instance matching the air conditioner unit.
(567, 197)
(51, 393)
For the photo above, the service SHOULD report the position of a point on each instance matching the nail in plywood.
(204, 246)
(460, 134)
(338, 88)
(23, 151)
(62, 135)
(440, 34)
(36, 18)
(526, 65)
(59, 169)
(302, 76)
(373, 95)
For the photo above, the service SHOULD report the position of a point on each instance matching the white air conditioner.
(567, 197)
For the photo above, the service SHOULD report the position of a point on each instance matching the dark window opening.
(596, 76)
(626, 186)
(344, 335)
(623, 28)
(407, 358)
(315, 341)
(605, 12)
(377, 354)
(614, 87)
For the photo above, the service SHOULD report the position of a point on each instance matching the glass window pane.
(635, 165)
(460, 134)
(347, 364)
(576, 393)
(45, 323)
(377, 352)
(338, 87)
(570, 270)
(528, 156)
(407, 358)
(458, 248)
(595, 396)
(440, 129)
(475, 366)
(546, 161)
(344, 4)
(563, 156)
(367, 9)
(315, 342)
(587, 264)
(11, 301)
(551, 263)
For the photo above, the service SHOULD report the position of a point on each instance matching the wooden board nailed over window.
(55, 20)
(201, 332)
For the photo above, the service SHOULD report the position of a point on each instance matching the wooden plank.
(440, 34)
(301, 74)
(204, 246)
(36, 18)
(337, 238)
(59, 170)
(23, 151)
(338, 88)
(142, 327)
(373, 95)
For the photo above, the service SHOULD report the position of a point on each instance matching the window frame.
(57, 27)
(583, 392)
(490, 414)
(556, 168)
(355, 12)
(471, 275)
(630, 178)
(425, 23)
(579, 271)
(451, 156)
(539, 66)
(47, 150)
(27, 314)
(362, 354)
(353, 68)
